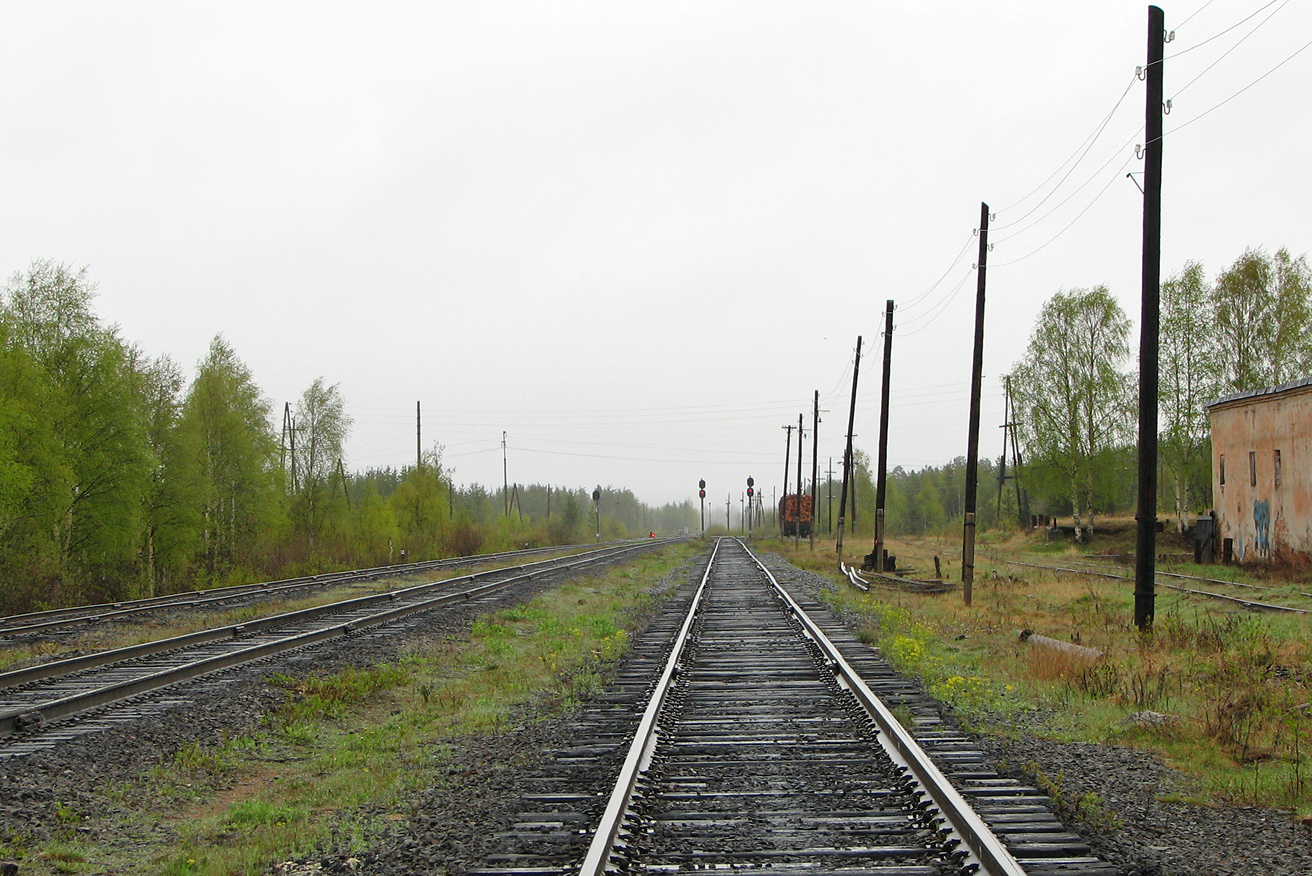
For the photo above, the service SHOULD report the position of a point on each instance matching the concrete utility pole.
(419, 444)
(788, 449)
(881, 483)
(1145, 546)
(972, 441)
(505, 478)
(847, 454)
(815, 466)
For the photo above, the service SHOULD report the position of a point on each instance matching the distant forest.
(121, 478)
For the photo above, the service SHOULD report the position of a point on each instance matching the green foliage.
(1188, 379)
(1263, 316)
(1071, 396)
(119, 478)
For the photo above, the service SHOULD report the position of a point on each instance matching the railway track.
(34, 699)
(26, 627)
(742, 737)
(1253, 604)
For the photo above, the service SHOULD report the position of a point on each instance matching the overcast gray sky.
(634, 236)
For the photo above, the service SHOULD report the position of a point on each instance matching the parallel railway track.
(31, 699)
(765, 746)
(33, 624)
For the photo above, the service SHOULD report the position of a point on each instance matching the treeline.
(121, 478)
(1075, 400)
(1076, 390)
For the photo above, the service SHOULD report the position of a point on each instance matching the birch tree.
(1070, 391)
(1188, 379)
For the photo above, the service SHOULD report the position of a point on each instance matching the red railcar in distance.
(791, 519)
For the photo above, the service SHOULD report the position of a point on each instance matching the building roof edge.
(1301, 383)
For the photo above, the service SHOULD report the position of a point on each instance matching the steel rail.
(80, 702)
(982, 847)
(893, 582)
(1246, 603)
(609, 829)
(62, 617)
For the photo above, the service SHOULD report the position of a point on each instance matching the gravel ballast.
(472, 792)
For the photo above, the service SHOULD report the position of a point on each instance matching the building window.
(1252, 468)
(1223, 469)
(1279, 478)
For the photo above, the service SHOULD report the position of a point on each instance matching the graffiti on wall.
(1262, 527)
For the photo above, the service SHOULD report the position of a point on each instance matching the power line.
(933, 315)
(1090, 140)
(1227, 52)
(1077, 218)
(1222, 33)
(1179, 128)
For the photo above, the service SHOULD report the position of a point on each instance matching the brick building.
(1262, 469)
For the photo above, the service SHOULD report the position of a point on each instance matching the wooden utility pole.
(847, 454)
(788, 450)
(972, 441)
(829, 478)
(1145, 548)
(815, 467)
(881, 484)
(797, 536)
(1006, 425)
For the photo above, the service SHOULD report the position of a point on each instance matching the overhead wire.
(1212, 109)
(1091, 140)
(930, 317)
(1214, 36)
(1068, 225)
(1227, 52)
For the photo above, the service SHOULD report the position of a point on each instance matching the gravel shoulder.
(1142, 821)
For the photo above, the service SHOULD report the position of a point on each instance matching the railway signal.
(596, 501)
(701, 494)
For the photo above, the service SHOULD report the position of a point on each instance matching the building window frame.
(1279, 475)
(1252, 468)
(1223, 469)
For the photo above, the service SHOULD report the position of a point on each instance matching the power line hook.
(1166, 108)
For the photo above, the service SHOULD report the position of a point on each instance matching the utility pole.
(797, 536)
(788, 449)
(419, 444)
(972, 441)
(847, 454)
(505, 478)
(881, 483)
(1145, 546)
(289, 442)
(815, 465)
(1006, 425)
(829, 477)
(728, 505)
(742, 513)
